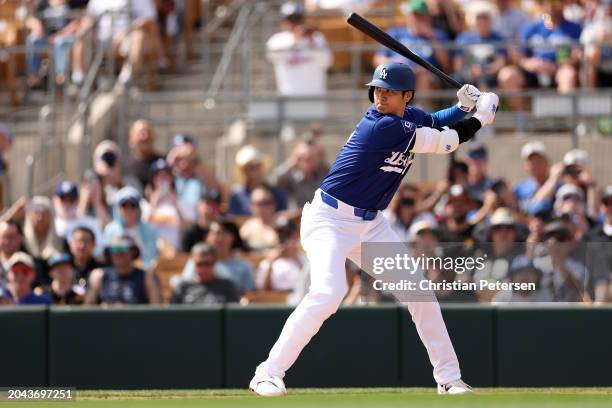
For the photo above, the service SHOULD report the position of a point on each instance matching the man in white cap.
(537, 166)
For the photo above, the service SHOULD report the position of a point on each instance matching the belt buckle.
(369, 215)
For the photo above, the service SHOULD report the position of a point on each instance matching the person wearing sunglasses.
(402, 209)
(258, 230)
(122, 282)
(21, 276)
(128, 220)
(206, 289)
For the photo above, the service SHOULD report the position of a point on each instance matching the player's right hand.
(486, 106)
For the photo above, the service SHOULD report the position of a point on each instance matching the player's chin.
(382, 108)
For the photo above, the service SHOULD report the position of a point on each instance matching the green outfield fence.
(219, 347)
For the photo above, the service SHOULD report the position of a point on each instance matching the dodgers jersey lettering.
(375, 158)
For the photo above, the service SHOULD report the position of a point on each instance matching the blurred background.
(160, 151)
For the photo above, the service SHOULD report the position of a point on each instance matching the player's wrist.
(464, 107)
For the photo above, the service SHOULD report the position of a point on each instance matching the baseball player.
(347, 211)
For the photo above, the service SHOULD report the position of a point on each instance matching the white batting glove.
(486, 106)
(468, 95)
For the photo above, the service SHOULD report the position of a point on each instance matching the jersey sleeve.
(392, 134)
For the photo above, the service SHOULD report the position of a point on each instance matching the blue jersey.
(372, 163)
(549, 44)
(420, 45)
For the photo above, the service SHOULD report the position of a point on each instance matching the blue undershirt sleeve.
(448, 116)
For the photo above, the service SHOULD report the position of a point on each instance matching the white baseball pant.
(329, 236)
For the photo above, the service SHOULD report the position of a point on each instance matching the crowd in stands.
(142, 35)
(104, 239)
(504, 44)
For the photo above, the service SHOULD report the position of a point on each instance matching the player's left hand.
(468, 95)
(486, 107)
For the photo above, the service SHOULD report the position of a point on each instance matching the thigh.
(327, 242)
(380, 231)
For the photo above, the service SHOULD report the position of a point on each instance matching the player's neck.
(400, 111)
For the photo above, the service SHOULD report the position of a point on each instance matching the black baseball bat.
(385, 39)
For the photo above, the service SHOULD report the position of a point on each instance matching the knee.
(328, 302)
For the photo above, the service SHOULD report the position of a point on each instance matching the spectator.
(40, 238)
(258, 230)
(208, 210)
(499, 247)
(570, 200)
(129, 30)
(284, 266)
(52, 23)
(536, 165)
(455, 225)
(300, 55)
(250, 163)
(596, 38)
(599, 250)
(403, 209)
(225, 239)
(426, 41)
(446, 16)
(163, 211)
(207, 289)
(189, 187)
(6, 140)
(142, 152)
(21, 278)
(424, 237)
(62, 290)
(477, 161)
(510, 20)
(65, 205)
(563, 274)
(108, 179)
(81, 243)
(577, 171)
(479, 55)
(302, 174)
(549, 56)
(522, 270)
(129, 222)
(11, 241)
(121, 282)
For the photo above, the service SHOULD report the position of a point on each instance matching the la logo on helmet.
(383, 73)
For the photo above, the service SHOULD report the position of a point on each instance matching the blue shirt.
(481, 50)
(240, 200)
(34, 299)
(418, 44)
(372, 163)
(524, 190)
(546, 42)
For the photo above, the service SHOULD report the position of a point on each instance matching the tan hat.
(20, 258)
(502, 216)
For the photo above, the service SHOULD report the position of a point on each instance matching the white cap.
(424, 222)
(576, 156)
(568, 189)
(248, 154)
(535, 147)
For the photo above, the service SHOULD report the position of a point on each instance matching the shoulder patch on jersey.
(409, 127)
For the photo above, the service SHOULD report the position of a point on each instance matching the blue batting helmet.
(391, 75)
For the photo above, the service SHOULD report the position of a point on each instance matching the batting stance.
(346, 211)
